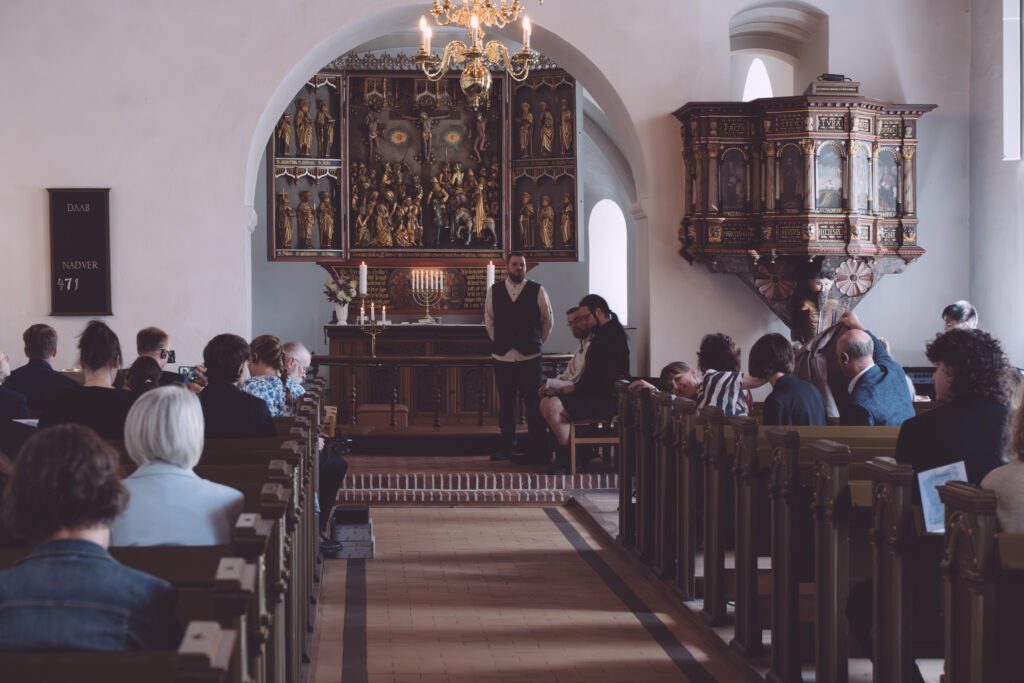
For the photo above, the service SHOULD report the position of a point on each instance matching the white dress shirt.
(170, 505)
(853, 382)
(543, 303)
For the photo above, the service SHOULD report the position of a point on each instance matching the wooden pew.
(983, 577)
(644, 438)
(906, 576)
(773, 479)
(627, 466)
(689, 496)
(204, 656)
(211, 586)
(717, 517)
(664, 553)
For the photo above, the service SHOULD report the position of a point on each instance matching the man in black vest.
(518, 319)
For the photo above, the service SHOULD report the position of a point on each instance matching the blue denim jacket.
(72, 595)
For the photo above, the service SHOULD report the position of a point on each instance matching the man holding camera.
(154, 342)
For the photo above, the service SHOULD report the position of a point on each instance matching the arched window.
(758, 84)
(609, 260)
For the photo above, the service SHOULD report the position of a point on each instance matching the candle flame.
(474, 22)
(423, 24)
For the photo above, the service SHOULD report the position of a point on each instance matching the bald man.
(877, 384)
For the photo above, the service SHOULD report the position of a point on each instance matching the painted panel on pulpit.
(791, 178)
(888, 181)
(829, 177)
(861, 179)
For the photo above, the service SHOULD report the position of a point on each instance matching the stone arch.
(353, 34)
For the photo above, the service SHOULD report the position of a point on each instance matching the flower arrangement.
(340, 291)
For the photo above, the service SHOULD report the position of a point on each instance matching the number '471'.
(67, 284)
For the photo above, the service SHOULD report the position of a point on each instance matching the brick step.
(448, 497)
(477, 481)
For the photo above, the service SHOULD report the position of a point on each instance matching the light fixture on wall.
(476, 56)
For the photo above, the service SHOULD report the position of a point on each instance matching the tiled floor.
(526, 594)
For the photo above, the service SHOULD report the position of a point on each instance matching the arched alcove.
(609, 256)
(789, 38)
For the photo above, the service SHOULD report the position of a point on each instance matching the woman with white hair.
(170, 504)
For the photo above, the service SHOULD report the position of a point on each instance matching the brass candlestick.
(427, 298)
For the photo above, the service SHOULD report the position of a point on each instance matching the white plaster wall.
(997, 192)
(170, 104)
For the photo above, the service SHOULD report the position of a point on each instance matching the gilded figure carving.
(306, 218)
(566, 126)
(373, 129)
(547, 130)
(283, 134)
(382, 236)
(325, 214)
(526, 217)
(567, 219)
(363, 237)
(303, 129)
(525, 130)
(479, 136)
(324, 129)
(285, 216)
(547, 222)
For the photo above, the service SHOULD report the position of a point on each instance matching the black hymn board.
(80, 251)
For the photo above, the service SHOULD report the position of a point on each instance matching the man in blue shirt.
(877, 384)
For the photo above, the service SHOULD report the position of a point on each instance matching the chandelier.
(474, 57)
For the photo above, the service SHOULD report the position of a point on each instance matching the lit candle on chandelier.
(425, 29)
(527, 30)
(474, 32)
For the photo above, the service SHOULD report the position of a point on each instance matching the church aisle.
(479, 594)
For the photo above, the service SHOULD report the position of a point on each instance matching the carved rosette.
(854, 278)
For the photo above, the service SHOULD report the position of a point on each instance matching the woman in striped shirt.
(724, 385)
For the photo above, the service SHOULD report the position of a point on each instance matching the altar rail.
(347, 398)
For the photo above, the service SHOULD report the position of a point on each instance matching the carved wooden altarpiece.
(374, 163)
(810, 200)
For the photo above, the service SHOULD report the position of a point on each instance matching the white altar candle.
(384, 314)
(362, 313)
(362, 279)
(490, 274)
(373, 312)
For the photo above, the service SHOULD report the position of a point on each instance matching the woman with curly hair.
(971, 383)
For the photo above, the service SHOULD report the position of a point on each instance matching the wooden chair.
(591, 433)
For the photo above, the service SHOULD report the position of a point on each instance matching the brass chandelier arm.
(434, 68)
(517, 66)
